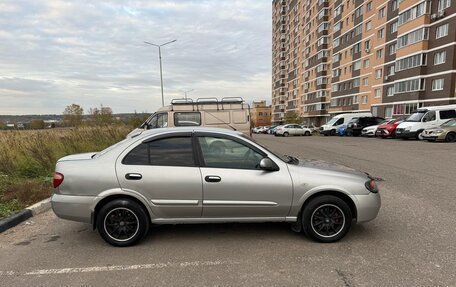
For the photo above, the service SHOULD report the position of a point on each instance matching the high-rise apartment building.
(387, 57)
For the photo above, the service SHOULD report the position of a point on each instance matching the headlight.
(371, 185)
(439, 131)
(407, 129)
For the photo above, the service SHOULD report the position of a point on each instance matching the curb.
(25, 214)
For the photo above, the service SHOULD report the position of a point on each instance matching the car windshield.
(286, 158)
(416, 116)
(332, 121)
(450, 123)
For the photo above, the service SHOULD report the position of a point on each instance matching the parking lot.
(410, 243)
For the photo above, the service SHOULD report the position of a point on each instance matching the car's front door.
(234, 186)
(164, 171)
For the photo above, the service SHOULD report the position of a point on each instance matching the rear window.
(175, 151)
(187, 119)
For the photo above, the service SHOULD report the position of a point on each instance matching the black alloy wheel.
(122, 222)
(326, 218)
(450, 137)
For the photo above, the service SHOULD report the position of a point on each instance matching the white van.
(229, 113)
(424, 118)
(331, 127)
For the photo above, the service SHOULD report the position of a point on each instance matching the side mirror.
(268, 165)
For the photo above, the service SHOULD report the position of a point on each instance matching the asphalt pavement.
(410, 243)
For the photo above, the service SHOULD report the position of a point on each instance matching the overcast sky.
(54, 53)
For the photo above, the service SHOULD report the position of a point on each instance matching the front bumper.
(400, 133)
(72, 207)
(325, 132)
(369, 133)
(367, 206)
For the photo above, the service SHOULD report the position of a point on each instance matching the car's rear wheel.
(285, 134)
(450, 137)
(307, 133)
(326, 219)
(122, 222)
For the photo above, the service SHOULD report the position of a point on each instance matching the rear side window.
(447, 114)
(187, 119)
(176, 151)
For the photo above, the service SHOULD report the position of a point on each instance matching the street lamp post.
(161, 69)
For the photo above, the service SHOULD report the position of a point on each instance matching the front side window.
(430, 116)
(175, 151)
(158, 121)
(228, 153)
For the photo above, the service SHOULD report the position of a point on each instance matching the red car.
(388, 129)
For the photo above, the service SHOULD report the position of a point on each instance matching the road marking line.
(119, 268)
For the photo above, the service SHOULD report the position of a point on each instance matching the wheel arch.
(119, 195)
(347, 199)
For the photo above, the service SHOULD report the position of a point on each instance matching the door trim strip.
(175, 201)
(239, 202)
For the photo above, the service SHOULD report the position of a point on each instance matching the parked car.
(330, 128)
(425, 118)
(370, 131)
(271, 129)
(256, 130)
(341, 131)
(172, 176)
(446, 132)
(388, 129)
(292, 130)
(355, 127)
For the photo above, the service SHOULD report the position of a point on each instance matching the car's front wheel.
(326, 219)
(122, 222)
(307, 133)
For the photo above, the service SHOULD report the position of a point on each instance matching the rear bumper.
(71, 207)
(367, 206)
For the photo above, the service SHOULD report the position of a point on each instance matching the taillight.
(58, 179)
(371, 185)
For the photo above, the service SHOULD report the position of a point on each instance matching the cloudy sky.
(54, 53)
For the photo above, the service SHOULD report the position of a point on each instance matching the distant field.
(27, 159)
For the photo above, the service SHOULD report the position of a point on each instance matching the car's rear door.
(164, 170)
(233, 184)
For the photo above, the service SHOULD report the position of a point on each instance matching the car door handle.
(213, 178)
(133, 176)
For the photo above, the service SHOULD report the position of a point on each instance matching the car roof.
(171, 130)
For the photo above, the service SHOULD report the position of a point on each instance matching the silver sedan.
(200, 175)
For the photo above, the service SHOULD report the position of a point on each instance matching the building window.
(366, 63)
(409, 86)
(390, 91)
(394, 5)
(357, 65)
(379, 53)
(378, 73)
(355, 99)
(369, 6)
(388, 112)
(443, 4)
(412, 13)
(437, 84)
(367, 46)
(368, 25)
(380, 33)
(364, 99)
(378, 93)
(413, 37)
(381, 13)
(440, 58)
(411, 62)
(391, 70)
(366, 82)
(393, 27)
(441, 31)
(392, 49)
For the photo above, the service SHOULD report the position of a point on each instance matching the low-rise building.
(261, 114)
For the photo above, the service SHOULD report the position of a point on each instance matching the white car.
(370, 131)
(292, 130)
(256, 130)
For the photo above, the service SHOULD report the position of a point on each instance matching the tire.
(418, 135)
(122, 215)
(450, 137)
(332, 133)
(326, 207)
(285, 134)
(307, 134)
